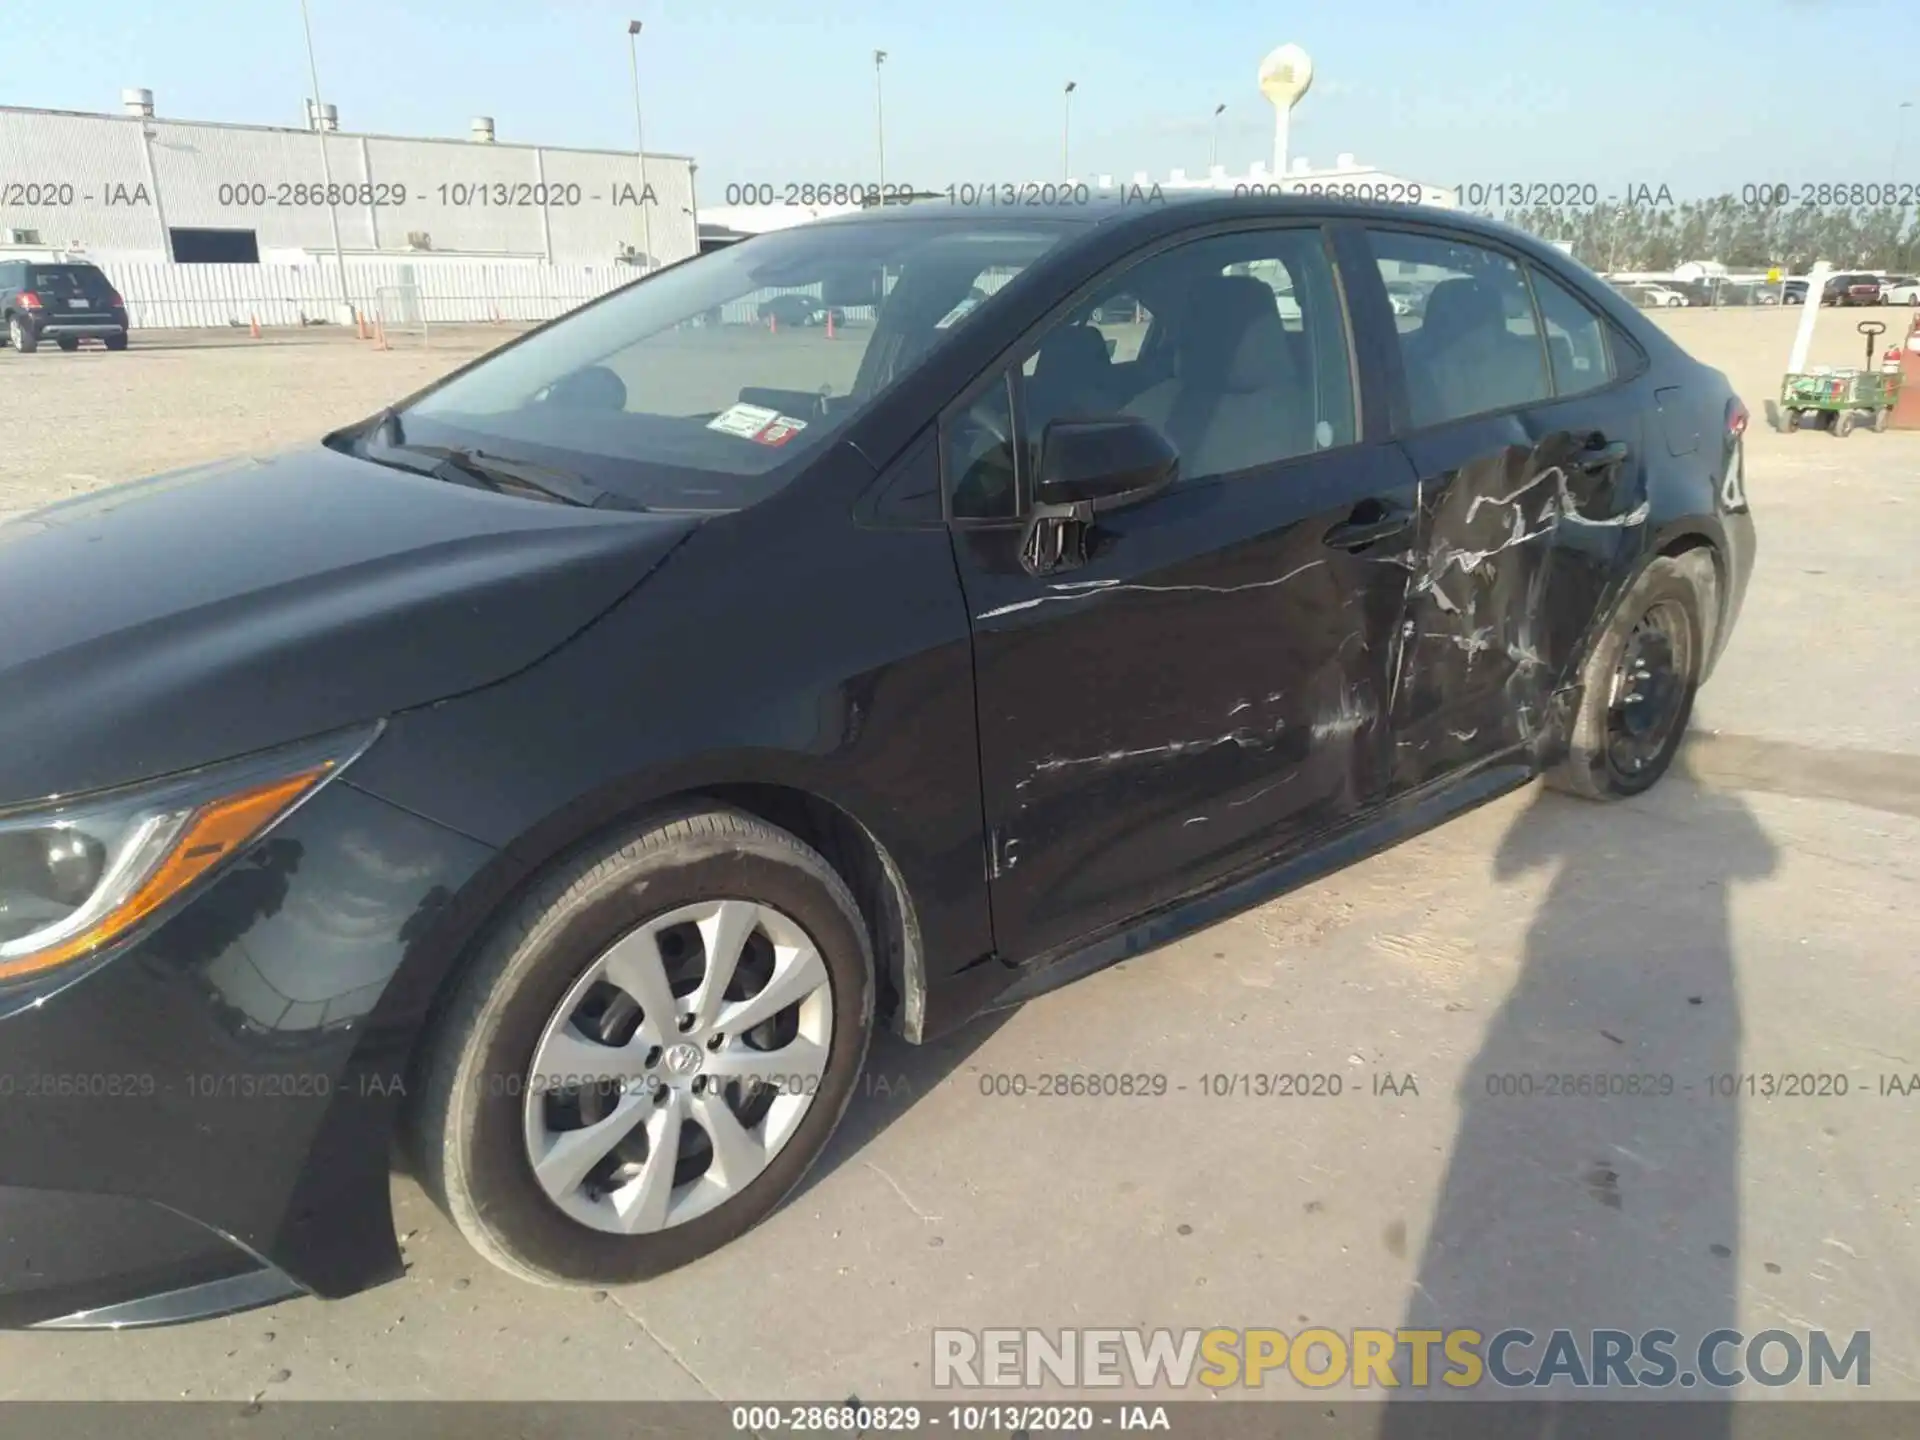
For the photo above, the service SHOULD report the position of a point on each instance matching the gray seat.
(1237, 397)
(1072, 375)
(1464, 360)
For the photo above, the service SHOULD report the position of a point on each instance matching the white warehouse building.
(136, 192)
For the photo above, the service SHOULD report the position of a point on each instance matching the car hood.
(176, 621)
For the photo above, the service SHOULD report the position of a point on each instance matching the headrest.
(1461, 307)
(1071, 349)
(1233, 336)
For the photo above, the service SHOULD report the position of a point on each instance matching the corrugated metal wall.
(444, 292)
(92, 182)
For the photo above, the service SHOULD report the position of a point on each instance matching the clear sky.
(1701, 96)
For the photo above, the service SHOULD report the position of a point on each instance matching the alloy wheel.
(1649, 689)
(678, 1066)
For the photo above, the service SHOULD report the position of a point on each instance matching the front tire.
(711, 980)
(1639, 684)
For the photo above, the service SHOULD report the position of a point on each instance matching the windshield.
(64, 280)
(702, 388)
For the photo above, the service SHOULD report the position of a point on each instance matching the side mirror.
(1087, 466)
(1103, 463)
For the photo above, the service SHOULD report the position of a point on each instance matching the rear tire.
(1882, 418)
(1843, 424)
(67, 343)
(21, 336)
(1792, 421)
(1607, 757)
(117, 342)
(483, 1125)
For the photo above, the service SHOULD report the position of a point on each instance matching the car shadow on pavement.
(897, 1077)
(1567, 1208)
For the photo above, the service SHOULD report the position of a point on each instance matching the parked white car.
(1661, 295)
(1901, 290)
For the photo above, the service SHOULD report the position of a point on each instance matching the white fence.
(199, 296)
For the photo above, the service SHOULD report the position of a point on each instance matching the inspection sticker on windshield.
(746, 421)
(783, 429)
(757, 423)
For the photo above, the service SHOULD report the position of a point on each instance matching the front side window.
(694, 389)
(1234, 346)
(1468, 343)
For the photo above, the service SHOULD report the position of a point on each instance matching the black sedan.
(798, 310)
(564, 772)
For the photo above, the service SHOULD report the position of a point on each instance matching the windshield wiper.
(469, 466)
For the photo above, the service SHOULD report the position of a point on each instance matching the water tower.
(1284, 77)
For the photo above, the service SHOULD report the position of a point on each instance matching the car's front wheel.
(1639, 683)
(649, 1053)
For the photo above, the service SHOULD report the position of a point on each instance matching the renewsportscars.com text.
(1378, 1359)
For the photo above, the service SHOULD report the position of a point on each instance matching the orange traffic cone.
(360, 322)
(380, 331)
(829, 324)
(253, 326)
(773, 324)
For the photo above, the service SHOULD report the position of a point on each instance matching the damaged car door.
(1528, 446)
(1172, 690)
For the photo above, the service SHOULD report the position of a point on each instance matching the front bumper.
(204, 1122)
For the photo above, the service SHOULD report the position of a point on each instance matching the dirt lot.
(1760, 916)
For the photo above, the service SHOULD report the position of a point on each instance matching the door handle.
(1368, 525)
(1599, 457)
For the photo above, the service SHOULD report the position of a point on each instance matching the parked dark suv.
(59, 301)
(1851, 288)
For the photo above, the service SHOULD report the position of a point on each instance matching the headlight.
(77, 874)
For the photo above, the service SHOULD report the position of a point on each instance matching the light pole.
(1213, 151)
(880, 120)
(326, 166)
(1066, 125)
(640, 149)
(1899, 136)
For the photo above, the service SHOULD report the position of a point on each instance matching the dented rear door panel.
(1527, 521)
(1210, 688)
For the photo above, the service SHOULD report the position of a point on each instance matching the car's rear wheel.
(1843, 424)
(1882, 418)
(117, 342)
(649, 1053)
(21, 336)
(1638, 685)
(67, 342)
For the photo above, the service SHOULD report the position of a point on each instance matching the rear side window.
(1468, 343)
(1577, 351)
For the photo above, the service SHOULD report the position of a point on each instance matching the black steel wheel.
(1639, 682)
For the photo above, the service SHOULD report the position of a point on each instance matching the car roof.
(1138, 204)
